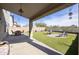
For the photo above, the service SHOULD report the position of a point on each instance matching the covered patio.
(32, 11)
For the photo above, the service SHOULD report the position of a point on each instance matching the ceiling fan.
(20, 10)
(70, 13)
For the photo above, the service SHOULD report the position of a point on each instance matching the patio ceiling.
(35, 10)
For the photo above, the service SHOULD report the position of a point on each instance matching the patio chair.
(4, 48)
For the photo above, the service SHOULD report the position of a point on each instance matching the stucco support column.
(30, 27)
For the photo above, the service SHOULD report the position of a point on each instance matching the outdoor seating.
(4, 48)
(62, 35)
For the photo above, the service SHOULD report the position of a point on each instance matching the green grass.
(60, 44)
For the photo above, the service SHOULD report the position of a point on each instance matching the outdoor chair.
(4, 48)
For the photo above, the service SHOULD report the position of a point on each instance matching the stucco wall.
(38, 29)
(2, 26)
(9, 21)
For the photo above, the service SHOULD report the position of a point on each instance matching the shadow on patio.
(24, 38)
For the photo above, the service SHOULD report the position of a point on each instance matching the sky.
(21, 20)
(60, 18)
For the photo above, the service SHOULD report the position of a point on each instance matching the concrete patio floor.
(22, 45)
(24, 49)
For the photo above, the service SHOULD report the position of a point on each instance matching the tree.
(54, 28)
(40, 24)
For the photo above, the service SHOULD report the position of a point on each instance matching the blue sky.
(59, 18)
(20, 20)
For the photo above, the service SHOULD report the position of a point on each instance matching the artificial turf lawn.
(60, 44)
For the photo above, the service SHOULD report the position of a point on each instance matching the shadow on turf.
(73, 50)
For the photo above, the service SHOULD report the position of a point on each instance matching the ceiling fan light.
(70, 13)
(20, 10)
(70, 17)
